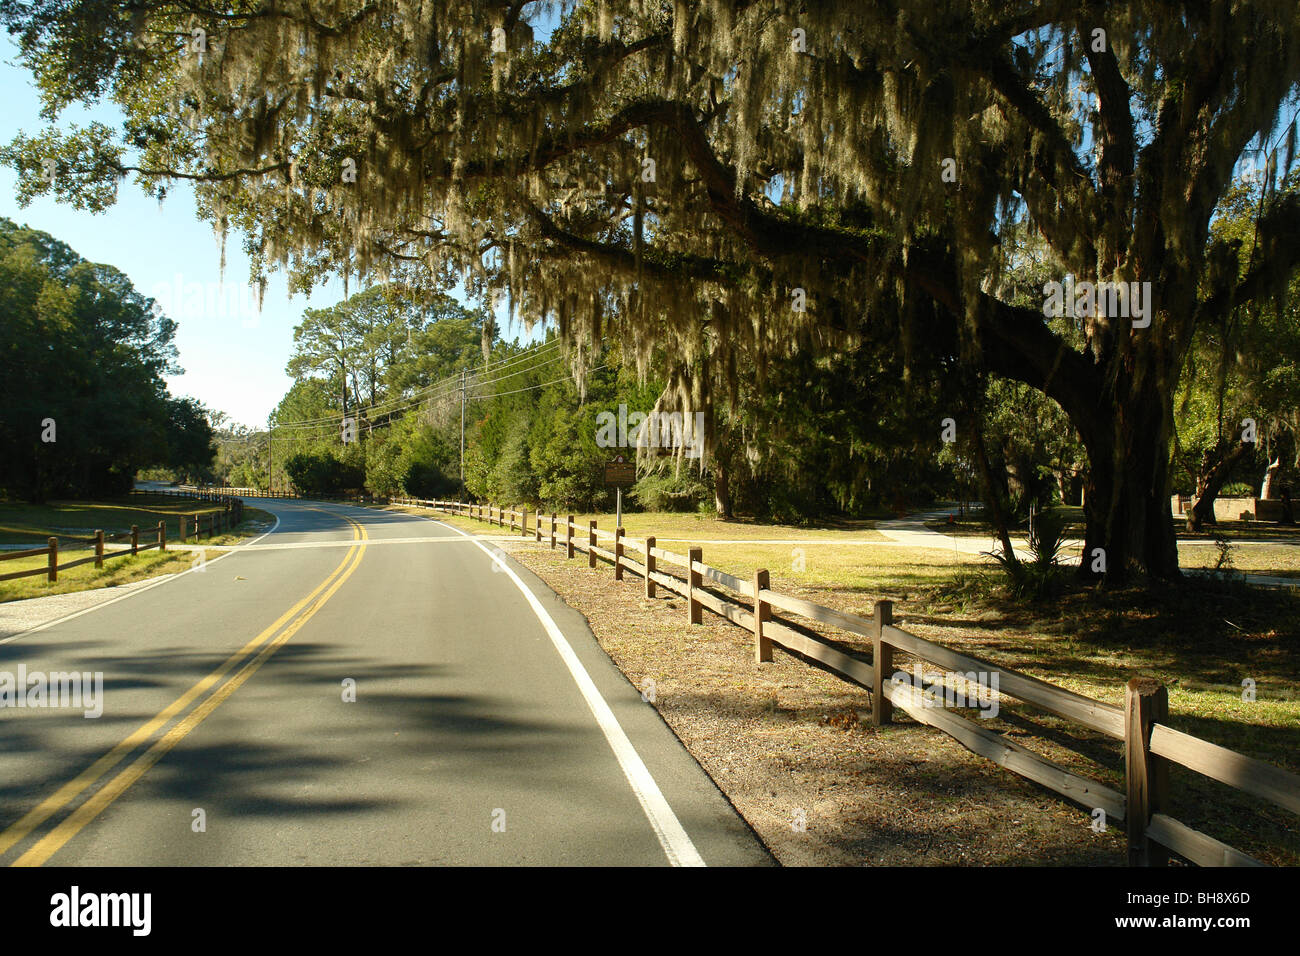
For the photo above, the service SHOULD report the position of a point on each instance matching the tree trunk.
(1210, 482)
(1269, 488)
(721, 491)
(1129, 525)
(993, 493)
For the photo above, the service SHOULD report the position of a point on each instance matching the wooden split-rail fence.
(217, 493)
(205, 524)
(1149, 744)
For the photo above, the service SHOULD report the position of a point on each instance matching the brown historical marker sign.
(620, 473)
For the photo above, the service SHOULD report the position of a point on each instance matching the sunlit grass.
(32, 525)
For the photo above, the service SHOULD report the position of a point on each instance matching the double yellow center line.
(268, 641)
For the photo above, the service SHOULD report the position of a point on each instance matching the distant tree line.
(83, 405)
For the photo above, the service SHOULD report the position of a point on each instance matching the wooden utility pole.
(462, 431)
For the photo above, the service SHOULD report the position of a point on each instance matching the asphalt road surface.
(354, 688)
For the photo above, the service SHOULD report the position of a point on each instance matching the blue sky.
(233, 359)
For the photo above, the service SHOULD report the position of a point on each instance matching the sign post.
(619, 474)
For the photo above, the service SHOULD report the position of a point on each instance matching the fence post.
(649, 567)
(135, 540)
(523, 523)
(1146, 702)
(198, 529)
(591, 544)
(552, 530)
(568, 537)
(762, 612)
(99, 548)
(162, 535)
(182, 521)
(882, 663)
(53, 545)
(538, 528)
(618, 553)
(694, 580)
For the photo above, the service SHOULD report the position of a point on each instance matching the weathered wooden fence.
(217, 494)
(1149, 743)
(205, 524)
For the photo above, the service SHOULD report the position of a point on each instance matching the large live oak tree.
(688, 174)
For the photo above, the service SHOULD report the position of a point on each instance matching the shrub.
(669, 492)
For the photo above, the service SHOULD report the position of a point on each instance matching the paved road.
(487, 727)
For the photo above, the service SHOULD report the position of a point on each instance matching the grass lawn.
(1202, 639)
(32, 525)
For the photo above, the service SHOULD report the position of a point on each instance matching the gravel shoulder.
(17, 617)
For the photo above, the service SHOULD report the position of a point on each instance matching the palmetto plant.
(1046, 536)
(1037, 578)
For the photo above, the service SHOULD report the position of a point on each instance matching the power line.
(532, 388)
(451, 380)
(395, 417)
(443, 388)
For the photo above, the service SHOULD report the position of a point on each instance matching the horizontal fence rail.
(1141, 725)
(205, 524)
(216, 494)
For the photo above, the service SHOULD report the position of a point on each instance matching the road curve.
(384, 692)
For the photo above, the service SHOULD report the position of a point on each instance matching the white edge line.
(672, 835)
(148, 587)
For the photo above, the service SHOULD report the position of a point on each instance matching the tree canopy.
(726, 184)
(82, 401)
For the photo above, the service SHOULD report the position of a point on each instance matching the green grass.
(32, 525)
(22, 523)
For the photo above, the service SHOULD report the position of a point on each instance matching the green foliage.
(1046, 536)
(325, 473)
(671, 492)
(1245, 362)
(1042, 576)
(822, 170)
(82, 359)
(427, 466)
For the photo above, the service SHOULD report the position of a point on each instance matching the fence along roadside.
(216, 523)
(1149, 744)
